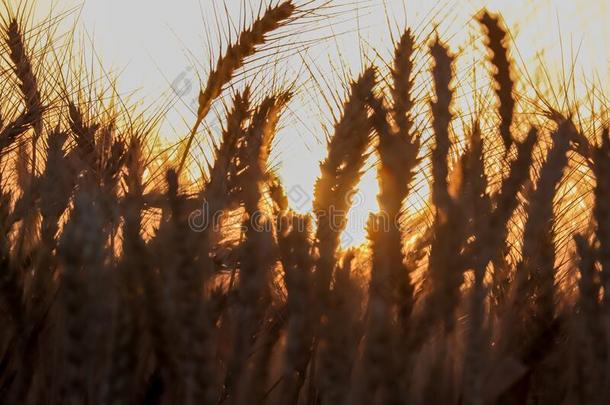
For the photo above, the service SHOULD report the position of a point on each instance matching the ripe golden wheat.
(108, 295)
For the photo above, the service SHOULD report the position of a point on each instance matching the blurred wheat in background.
(133, 271)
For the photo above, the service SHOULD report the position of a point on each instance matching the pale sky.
(154, 42)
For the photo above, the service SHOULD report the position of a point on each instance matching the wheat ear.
(529, 323)
(499, 57)
(445, 267)
(340, 173)
(221, 184)
(476, 203)
(254, 293)
(390, 284)
(535, 276)
(506, 202)
(233, 59)
(402, 85)
(28, 83)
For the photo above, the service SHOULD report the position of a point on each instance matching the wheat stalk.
(506, 202)
(28, 83)
(233, 59)
(476, 203)
(221, 184)
(254, 293)
(496, 43)
(535, 272)
(445, 263)
(340, 173)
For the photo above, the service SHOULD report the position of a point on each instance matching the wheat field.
(124, 279)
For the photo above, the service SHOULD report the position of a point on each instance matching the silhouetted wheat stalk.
(234, 59)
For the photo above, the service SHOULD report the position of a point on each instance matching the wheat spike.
(233, 59)
(221, 185)
(340, 173)
(254, 292)
(402, 86)
(295, 252)
(28, 83)
(445, 264)
(506, 202)
(535, 273)
(499, 57)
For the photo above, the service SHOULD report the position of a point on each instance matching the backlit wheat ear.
(398, 149)
(530, 321)
(476, 204)
(234, 58)
(340, 173)
(10, 133)
(402, 89)
(255, 273)
(28, 84)
(506, 202)
(445, 263)
(473, 194)
(220, 188)
(499, 57)
(536, 270)
(442, 73)
(22, 66)
(255, 148)
(398, 158)
(390, 278)
(55, 185)
(84, 135)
